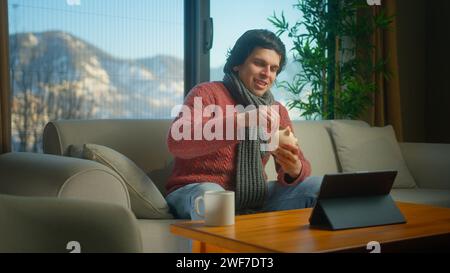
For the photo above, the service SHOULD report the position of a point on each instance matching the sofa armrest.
(37, 224)
(31, 174)
(429, 163)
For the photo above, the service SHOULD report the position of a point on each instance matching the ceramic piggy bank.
(285, 136)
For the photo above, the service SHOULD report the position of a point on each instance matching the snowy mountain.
(46, 62)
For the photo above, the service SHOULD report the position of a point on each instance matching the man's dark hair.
(248, 42)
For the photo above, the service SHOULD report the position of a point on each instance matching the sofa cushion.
(370, 149)
(314, 139)
(146, 200)
(435, 197)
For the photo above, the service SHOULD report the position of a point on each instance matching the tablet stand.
(355, 212)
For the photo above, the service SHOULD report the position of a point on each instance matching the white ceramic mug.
(219, 208)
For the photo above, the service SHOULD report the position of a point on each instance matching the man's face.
(259, 70)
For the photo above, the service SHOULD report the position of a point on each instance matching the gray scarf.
(251, 188)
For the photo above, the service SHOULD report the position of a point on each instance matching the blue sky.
(144, 28)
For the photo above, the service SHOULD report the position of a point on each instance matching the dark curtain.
(386, 109)
(5, 112)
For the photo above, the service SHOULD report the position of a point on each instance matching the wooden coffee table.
(427, 229)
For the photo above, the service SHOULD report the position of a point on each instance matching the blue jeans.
(280, 197)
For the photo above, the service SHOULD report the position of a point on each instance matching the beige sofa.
(56, 225)
(144, 142)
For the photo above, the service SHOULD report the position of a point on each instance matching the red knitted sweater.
(215, 160)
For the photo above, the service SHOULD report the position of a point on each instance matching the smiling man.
(259, 70)
(238, 164)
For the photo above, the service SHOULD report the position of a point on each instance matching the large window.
(92, 59)
(80, 59)
(233, 17)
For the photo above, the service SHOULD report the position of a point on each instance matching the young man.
(233, 163)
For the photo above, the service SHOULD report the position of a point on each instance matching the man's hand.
(287, 156)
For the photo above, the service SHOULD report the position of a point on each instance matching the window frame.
(198, 35)
(198, 40)
(5, 88)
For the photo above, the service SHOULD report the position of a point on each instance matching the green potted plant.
(333, 45)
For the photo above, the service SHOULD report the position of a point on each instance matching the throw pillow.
(370, 149)
(146, 200)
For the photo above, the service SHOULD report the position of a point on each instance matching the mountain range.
(118, 88)
(141, 88)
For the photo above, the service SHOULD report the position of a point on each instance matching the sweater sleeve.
(283, 177)
(186, 137)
